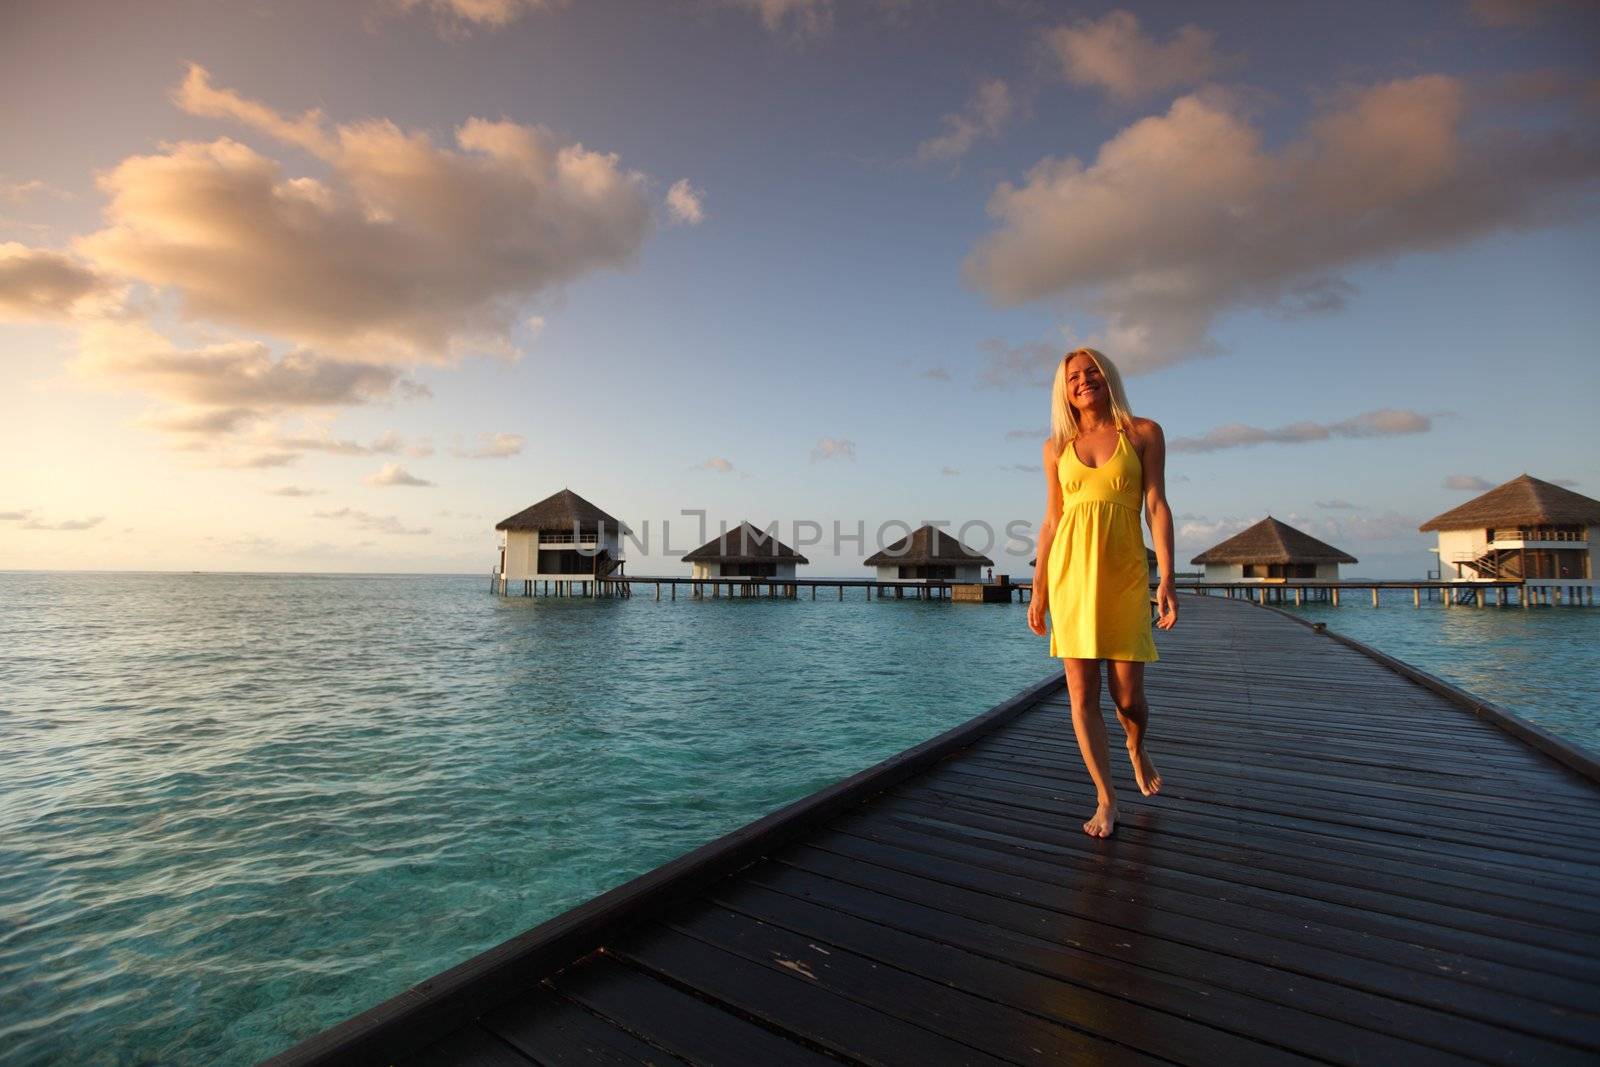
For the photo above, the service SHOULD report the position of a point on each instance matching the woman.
(1091, 575)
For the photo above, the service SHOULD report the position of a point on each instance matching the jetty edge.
(401, 1025)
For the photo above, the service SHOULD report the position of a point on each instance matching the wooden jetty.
(1348, 865)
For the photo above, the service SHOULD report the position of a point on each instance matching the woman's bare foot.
(1144, 772)
(1103, 821)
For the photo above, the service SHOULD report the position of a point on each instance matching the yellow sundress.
(1098, 579)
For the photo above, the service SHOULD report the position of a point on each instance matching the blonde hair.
(1064, 417)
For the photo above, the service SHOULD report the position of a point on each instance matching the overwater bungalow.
(744, 552)
(928, 554)
(1272, 551)
(1525, 529)
(563, 539)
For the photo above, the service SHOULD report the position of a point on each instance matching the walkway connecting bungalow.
(1350, 863)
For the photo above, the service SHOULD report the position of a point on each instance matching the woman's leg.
(1083, 686)
(1125, 679)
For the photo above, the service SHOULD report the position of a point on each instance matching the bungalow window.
(1280, 570)
(565, 561)
(928, 570)
(750, 569)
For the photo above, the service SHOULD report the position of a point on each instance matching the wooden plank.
(1499, 888)
(676, 1020)
(1344, 1023)
(1510, 997)
(787, 1000)
(557, 1032)
(1089, 996)
(1572, 974)
(468, 1047)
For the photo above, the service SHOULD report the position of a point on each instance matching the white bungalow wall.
(1458, 545)
(713, 569)
(891, 573)
(1234, 572)
(522, 555)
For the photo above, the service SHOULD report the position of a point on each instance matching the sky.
(304, 286)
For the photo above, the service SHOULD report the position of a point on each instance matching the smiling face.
(1086, 386)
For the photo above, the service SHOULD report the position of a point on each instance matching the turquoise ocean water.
(235, 809)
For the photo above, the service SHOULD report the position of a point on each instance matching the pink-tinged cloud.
(408, 251)
(1114, 54)
(36, 283)
(833, 448)
(393, 474)
(1470, 483)
(1185, 215)
(493, 446)
(1385, 422)
(685, 203)
(233, 374)
(983, 117)
(295, 491)
(367, 521)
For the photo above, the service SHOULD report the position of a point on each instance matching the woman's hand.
(1037, 605)
(1166, 605)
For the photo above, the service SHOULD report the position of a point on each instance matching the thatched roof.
(925, 545)
(562, 513)
(745, 544)
(1523, 501)
(1271, 541)
(1149, 557)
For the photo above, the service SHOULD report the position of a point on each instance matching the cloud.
(985, 115)
(29, 523)
(1184, 215)
(377, 523)
(1468, 482)
(394, 474)
(294, 490)
(231, 374)
(456, 16)
(716, 463)
(493, 446)
(1338, 505)
(408, 251)
(202, 421)
(948, 471)
(1028, 364)
(262, 460)
(1385, 422)
(1028, 435)
(804, 18)
(19, 192)
(1518, 14)
(833, 448)
(683, 201)
(935, 374)
(36, 283)
(1114, 54)
(1566, 483)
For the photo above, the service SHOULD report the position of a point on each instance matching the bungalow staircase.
(1497, 564)
(607, 567)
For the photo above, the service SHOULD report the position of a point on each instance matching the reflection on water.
(236, 809)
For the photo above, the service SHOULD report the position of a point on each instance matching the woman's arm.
(1040, 599)
(1153, 458)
